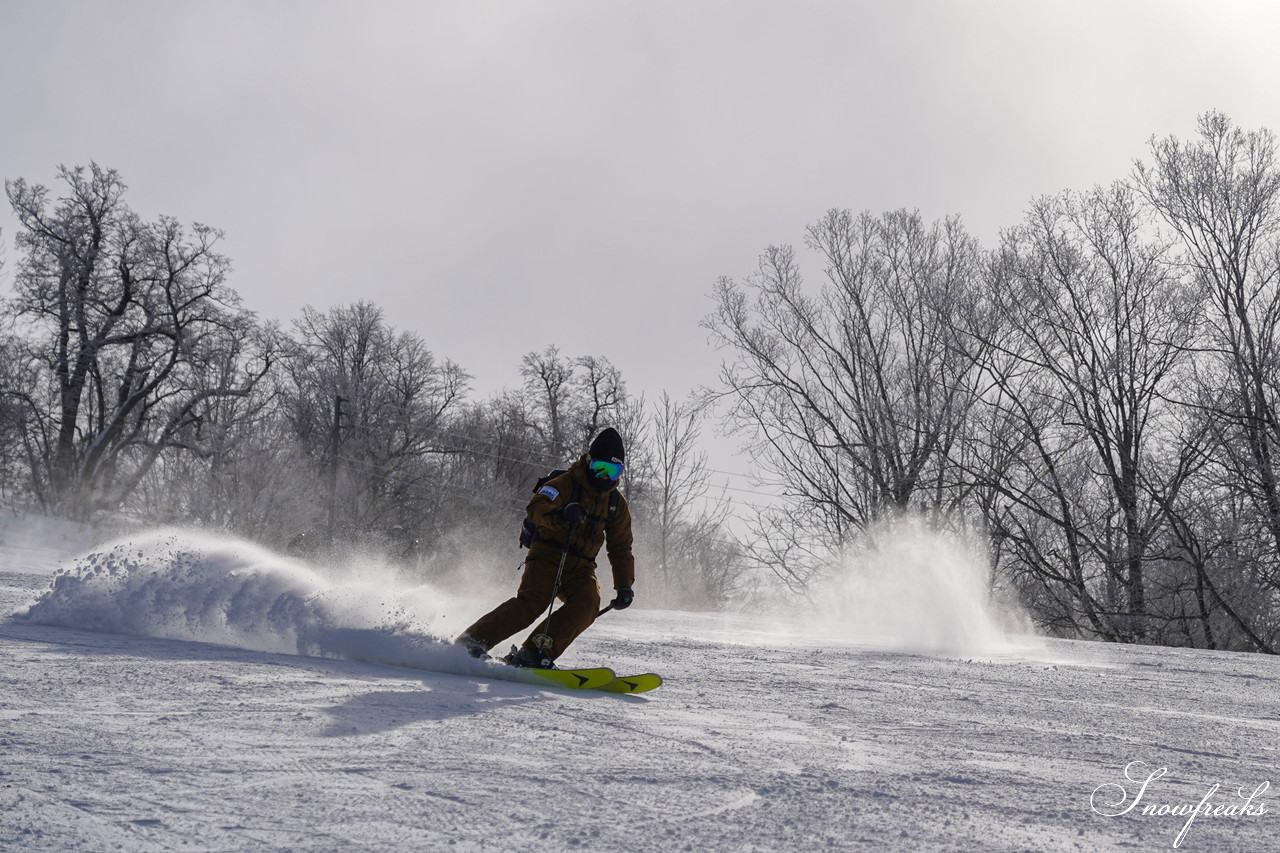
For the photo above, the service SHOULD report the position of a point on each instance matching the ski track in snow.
(230, 699)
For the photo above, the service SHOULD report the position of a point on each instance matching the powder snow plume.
(916, 588)
(185, 585)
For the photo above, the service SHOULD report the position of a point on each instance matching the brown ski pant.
(579, 590)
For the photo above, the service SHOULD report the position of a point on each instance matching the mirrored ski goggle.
(606, 470)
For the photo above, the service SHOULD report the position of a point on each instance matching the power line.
(374, 468)
(546, 461)
(420, 484)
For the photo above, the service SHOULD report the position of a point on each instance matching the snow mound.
(185, 585)
(915, 588)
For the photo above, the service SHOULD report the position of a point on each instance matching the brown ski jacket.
(597, 529)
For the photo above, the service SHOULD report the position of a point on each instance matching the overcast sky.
(503, 176)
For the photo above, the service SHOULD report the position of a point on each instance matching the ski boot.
(528, 657)
(474, 647)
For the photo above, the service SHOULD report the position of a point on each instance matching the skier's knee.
(584, 607)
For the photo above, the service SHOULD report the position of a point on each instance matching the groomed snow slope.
(791, 735)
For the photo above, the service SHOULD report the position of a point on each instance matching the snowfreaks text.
(1112, 800)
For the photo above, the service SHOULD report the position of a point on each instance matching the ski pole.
(543, 641)
(603, 612)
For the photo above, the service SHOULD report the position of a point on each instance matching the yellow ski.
(576, 679)
(632, 683)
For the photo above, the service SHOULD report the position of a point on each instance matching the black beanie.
(607, 446)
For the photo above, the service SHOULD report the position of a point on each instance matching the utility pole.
(334, 438)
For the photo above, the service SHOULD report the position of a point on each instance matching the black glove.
(571, 515)
(624, 599)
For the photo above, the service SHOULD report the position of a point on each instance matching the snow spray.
(187, 585)
(916, 588)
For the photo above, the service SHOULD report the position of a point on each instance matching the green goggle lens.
(606, 470)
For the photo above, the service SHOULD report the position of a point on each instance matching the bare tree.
(571, 399)
(251, 475)
(852, 399)
(1220, 193)
(547, 377)
(680, 473)
(599, 393)
(1095, 332)
(396, 399)
(680, 524)
(136, 330)
(24, 421)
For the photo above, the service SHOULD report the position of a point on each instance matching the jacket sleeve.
(618, 546)
(547, 502)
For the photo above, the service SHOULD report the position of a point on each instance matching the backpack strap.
(529, 533)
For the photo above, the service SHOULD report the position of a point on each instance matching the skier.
(567, 521)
